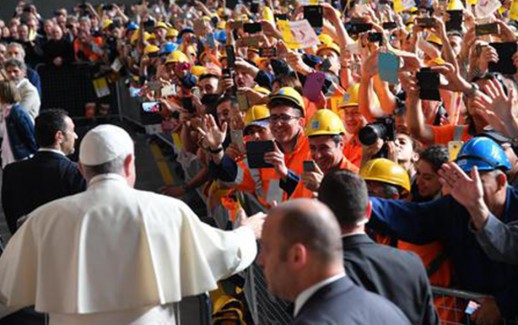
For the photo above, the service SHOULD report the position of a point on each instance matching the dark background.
(47, 7)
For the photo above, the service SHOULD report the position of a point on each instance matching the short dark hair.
(47, 123)
(436, 155)
(345, 193)
(337, 138)
(226, 98)
(308, 226)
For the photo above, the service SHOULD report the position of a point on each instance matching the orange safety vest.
(265, 182)
(303, 192)
(353, 151)
(439, 269)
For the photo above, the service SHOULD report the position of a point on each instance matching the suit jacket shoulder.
(342, 302)
(395, 274)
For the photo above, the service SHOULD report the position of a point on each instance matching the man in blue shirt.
(448, 219)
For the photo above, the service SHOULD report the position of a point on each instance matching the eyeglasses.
(284, 118)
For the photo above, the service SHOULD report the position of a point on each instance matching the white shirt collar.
(306, 294)
(103, 177)
(52, 150)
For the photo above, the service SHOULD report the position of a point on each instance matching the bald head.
(311, 224)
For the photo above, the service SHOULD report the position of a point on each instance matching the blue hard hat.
(168, 48)
(220, 36)
(484, 153)
(132, 26)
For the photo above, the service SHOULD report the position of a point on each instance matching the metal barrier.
(453, 304)
(71, 87)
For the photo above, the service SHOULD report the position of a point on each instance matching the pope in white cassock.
(113, 254)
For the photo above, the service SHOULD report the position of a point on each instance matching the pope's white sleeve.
(247, 247)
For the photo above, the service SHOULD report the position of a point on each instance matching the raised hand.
(213, 136)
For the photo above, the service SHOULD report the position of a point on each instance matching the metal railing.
(452, 305)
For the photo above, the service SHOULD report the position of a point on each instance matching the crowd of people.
(380, 137)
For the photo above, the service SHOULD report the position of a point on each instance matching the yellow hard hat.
(161, 24)
(151, 36)
(171, 32)
(262, 90)
(221, 24)
(151, 49)
(434, 39)
(291, 95)
(331, 46)
(107, 23)
(325, 122)
(325, 39)
(351, 98)
(176, 57)
(257, 115)
(206, 18)
(198, 70)
(386, 171)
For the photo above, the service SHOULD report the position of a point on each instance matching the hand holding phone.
(428, 82)
(255, 151)
(313, 86)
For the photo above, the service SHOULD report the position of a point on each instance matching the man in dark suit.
(48, 175)
(397, 275)
(301, 253)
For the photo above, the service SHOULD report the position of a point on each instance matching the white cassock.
(114, 251)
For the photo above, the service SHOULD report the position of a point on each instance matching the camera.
(384, 128)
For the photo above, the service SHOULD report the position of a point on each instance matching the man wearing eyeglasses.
(291, 148)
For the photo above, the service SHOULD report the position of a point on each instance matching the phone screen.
(252, 28)
(486, 29)
(151, 107)
(268, 52)
(505, 52)
(308, 166)
(313, 14)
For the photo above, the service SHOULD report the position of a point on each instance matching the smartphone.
(358, 28)
(252, 28)
(314, 15)
(425, 22)
(308, 166)
(226, 73)
(486, 29)
(506, 51)
(455, 22)
(453, 149)
(108, 7)
(278, 17)
(242, 101)
(313, 85)
(134, 92)
(150, 107)
(471, 307)
(268, 52)
(231, 56)
(389, 25)
(388, 67)
(375, 38)
(168, 91)
(236, 136)
(428, 82)
(254, 7)
(237, 24)
(255, 151)
(187, 104)
(325, 65)
(210, 40)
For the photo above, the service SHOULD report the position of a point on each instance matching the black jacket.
(30, 183)
(395, 274)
